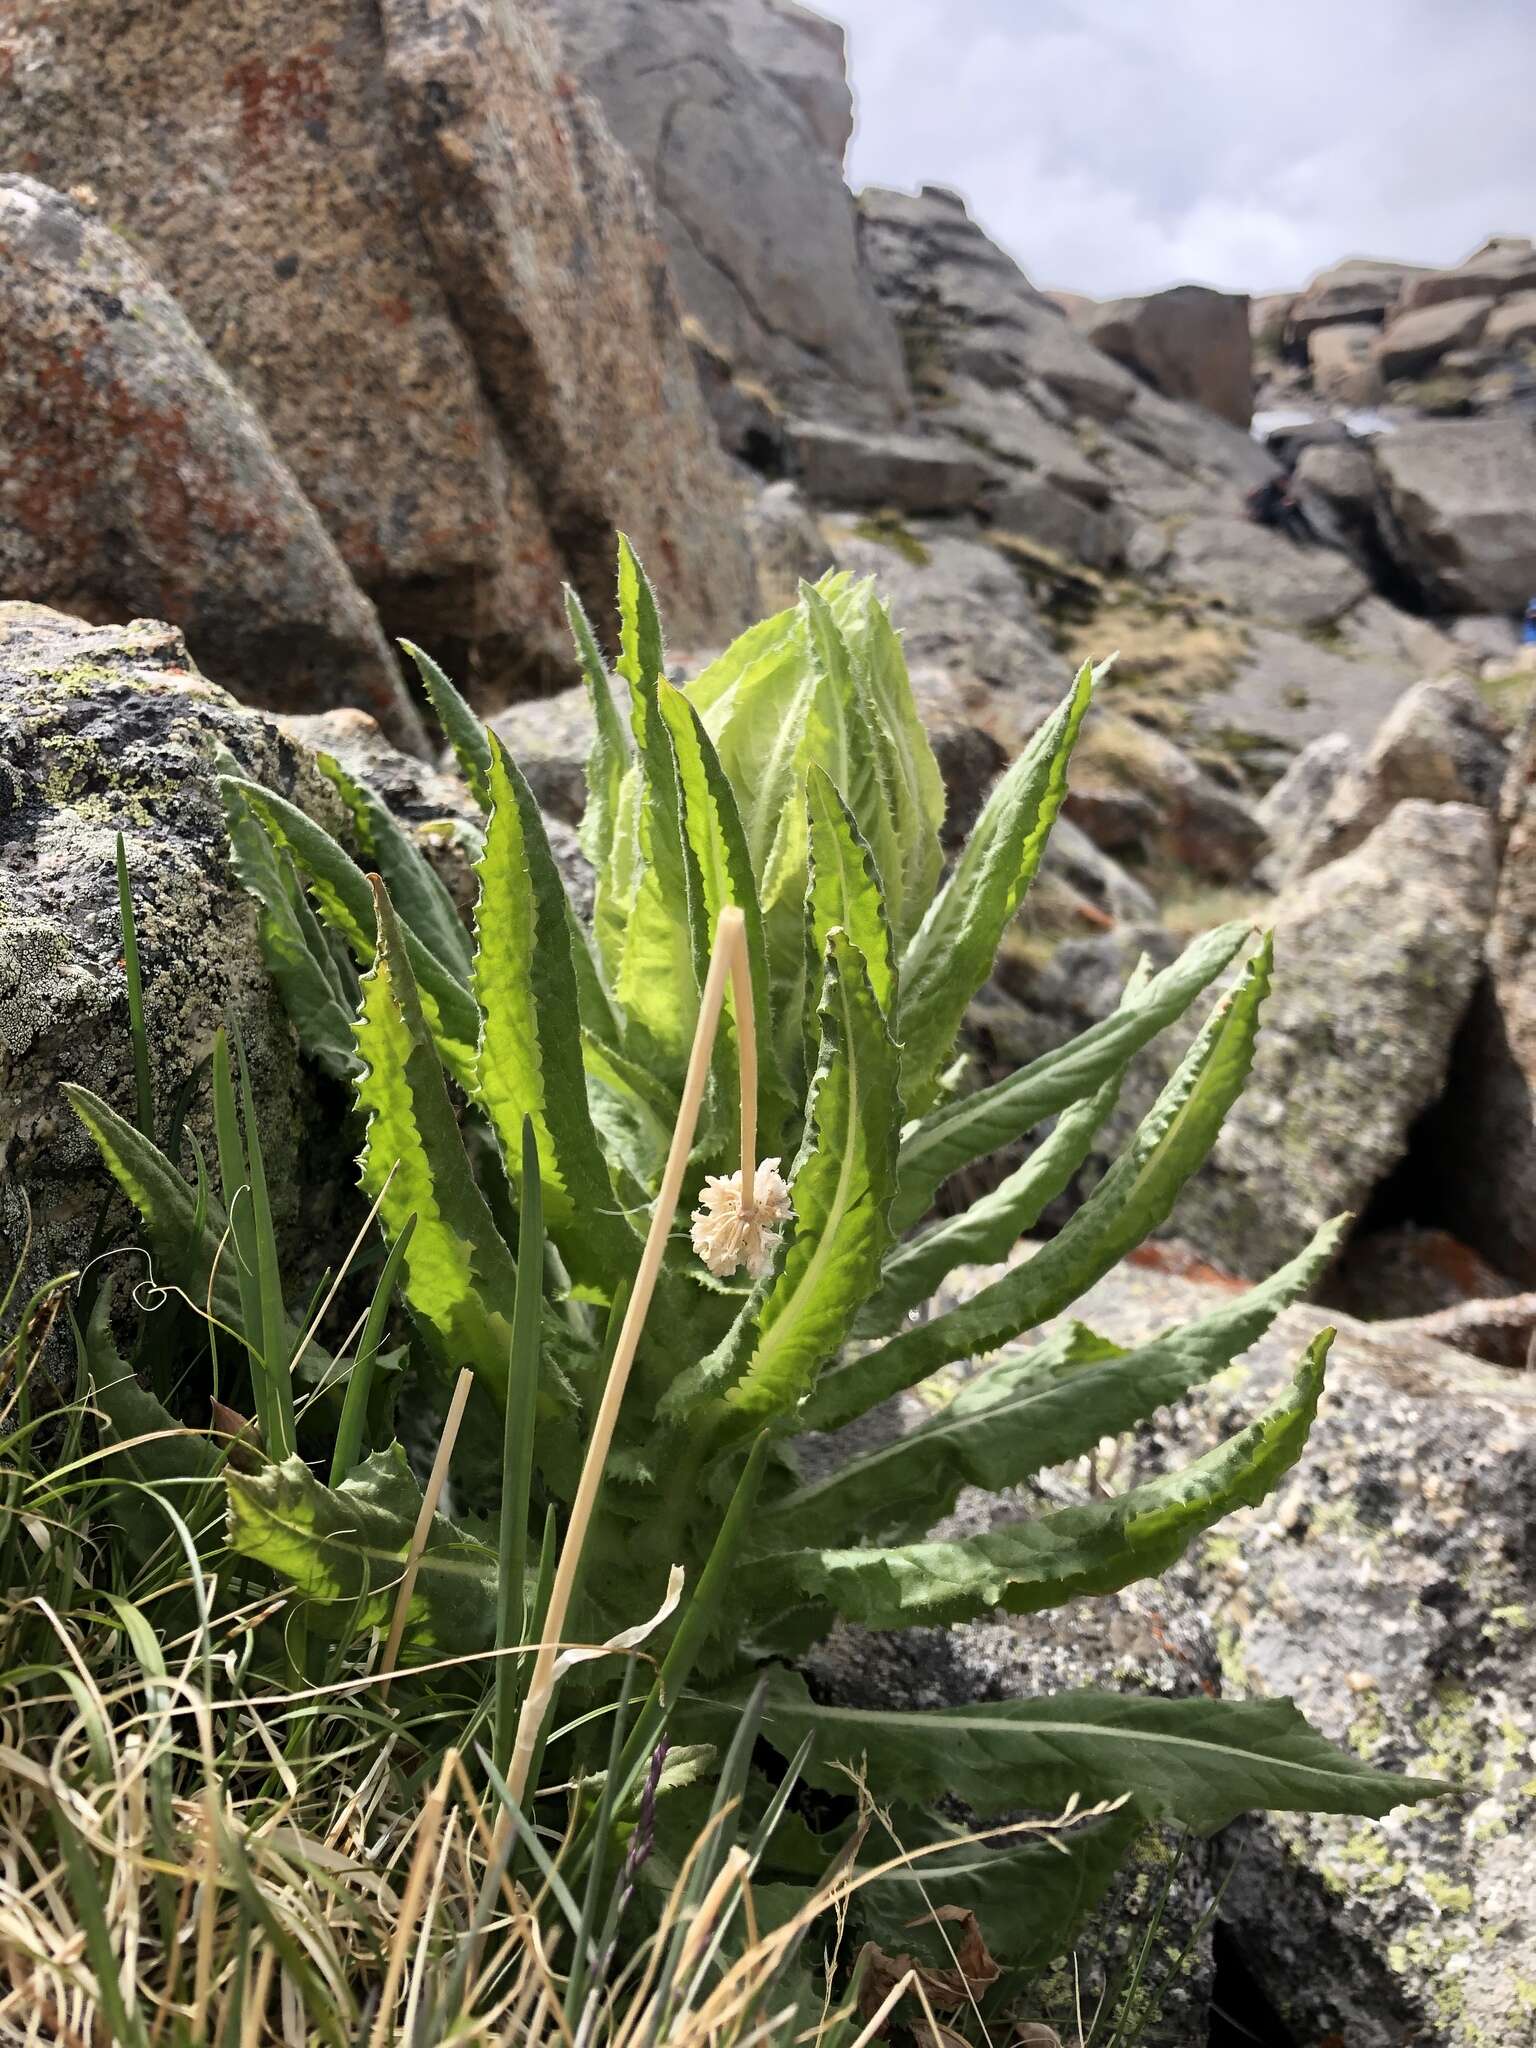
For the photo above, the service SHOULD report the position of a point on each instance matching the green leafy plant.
(775, 969)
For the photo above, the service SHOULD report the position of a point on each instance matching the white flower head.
(728, 1232)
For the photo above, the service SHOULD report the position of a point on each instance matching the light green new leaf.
(909, 770)
(1129, 1203)
(843, 891)
(292, 942)
(1200, 1761)
(840, 1188)
(954, 1135)
(609, 754)
(530, 1061)
(459, 1276)
(418, 892)
(343, 1550)
(642, 652)
(466, 734)
(723, 869)
(341, 889)
(1096, 1548)
(956, 944)
(1036, 1408)
(845, 738)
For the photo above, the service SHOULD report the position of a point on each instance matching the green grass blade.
(348, 1449)
(517, 1453)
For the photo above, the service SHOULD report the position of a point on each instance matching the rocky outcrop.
(1255, 572)
(106, 729)
(1386, 1589)
(1188, 342)
(841, 465)
(1481, 1149)
(1503, 265)
(1413, 342)
(1362, 289)
(1294, 807)
(1343, 363)
(1461, 496)
(1376, 956)
(737, 116)
(409, 238)
(135, 481)
(1512, 323)
(1439, 744)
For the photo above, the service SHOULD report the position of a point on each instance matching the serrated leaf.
(1200, 1761)
(530, 1057)
(1037, 1408)
(418, 892)
(343, 1550)
(609, 754)
(466, 734)
(956, 944)
(840, 1188)
(459, 1276)
(155, 1457)
(843, 889)
(292, 944)
(951, 1137)
(723, 869)
(1095, 1548)
(914, 784)
(1133, 1198)
(988, 1230)
(642, 652)
(341, 889)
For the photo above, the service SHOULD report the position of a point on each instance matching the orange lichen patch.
(1181, 1261)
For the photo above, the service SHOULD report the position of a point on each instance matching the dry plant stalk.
(728, 961)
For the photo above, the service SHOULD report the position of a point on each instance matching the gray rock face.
(1259, 572)
(736, 116)
(1512, 323)
(135, 481)
(410, 238)
(1502, 266)
(1189, 342)
(1462, 501)
(1189, 819)
(1343, 364)
(841, 465)
(108, 728)
(1484, 1137)
(1386, 1588)
(787, 543)
(1375, 959)
(1359, 290)
(965, 308)
(1439, 743)
(1414, 342)
(1292, 810)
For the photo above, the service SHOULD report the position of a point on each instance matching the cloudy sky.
(1119, 145)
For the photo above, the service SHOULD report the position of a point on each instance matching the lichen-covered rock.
(1439, 743)
(106, 729)
(1387, 1588)
(1291, 810)
(408, 235)
(737, 116)
(1375, 959)
(135, 481)
(1482, 1142)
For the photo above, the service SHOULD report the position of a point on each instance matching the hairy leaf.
(341, 889)
(292, 942)
(417, 891)
(970, 1128)
(459, 1276)
(952, 953)
(530, 1061)
(1200, 1761)
(1036, 1408)
(466, 734)
(609, 754)
(1132, 1199)
(844, 889)
(1096, 1548)
(343, 1549)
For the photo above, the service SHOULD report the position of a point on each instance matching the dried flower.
(728, 1232)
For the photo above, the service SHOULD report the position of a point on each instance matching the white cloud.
(1119, 145)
